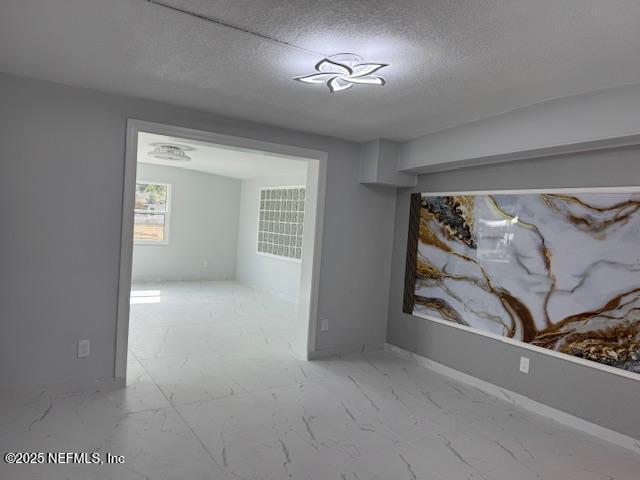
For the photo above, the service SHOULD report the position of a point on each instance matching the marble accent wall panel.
(556, 270)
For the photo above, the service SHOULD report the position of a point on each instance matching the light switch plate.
(324, 324)
(525, 363)
(84, 348)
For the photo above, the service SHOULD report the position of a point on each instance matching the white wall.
(279, 275)
(61, 181)
(203, 230)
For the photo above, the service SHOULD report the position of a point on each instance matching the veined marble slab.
(556, 270)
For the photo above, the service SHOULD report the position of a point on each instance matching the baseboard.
(110, 383)
(344, 349)
(520, 400)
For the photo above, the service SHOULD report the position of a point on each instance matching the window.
(281, 220)
(151, 224)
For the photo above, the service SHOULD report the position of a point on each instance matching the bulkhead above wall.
(379, 165)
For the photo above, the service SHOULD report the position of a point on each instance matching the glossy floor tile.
(214, 392)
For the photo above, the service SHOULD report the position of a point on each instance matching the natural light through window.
(281, 221)
(152, 213)
(145, 296)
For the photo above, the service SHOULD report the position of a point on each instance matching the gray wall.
(590, 117)
(278, 275)
(61, 180)
(600, 397)
(203, 228)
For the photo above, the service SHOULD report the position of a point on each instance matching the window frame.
(167, 216)
(257, 241)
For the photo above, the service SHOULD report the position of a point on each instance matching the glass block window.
(281, 219)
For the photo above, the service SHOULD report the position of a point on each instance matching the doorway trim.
(310, 264)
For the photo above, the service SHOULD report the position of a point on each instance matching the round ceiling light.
(342, 71)
(167, 151)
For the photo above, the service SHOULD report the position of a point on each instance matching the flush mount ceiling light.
(343, 71)
(167, 151)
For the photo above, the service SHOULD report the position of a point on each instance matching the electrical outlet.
(525, 362)
(324, 324)
(84, 348)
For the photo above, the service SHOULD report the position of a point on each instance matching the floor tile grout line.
(226, 358)
(193, 432)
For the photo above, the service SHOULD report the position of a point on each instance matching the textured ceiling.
(452, 61)
(219, 160)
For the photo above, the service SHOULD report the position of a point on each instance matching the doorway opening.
(220, 248)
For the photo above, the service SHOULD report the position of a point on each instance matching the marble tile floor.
(214, 392)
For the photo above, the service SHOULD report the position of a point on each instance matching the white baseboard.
(520, 400)
(344, 349)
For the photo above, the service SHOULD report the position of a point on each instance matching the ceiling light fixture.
(166, 151)
(343, 71)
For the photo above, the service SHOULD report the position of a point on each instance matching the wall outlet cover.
(525, 363)
(84, 348)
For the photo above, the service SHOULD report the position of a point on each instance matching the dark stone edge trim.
(412, 253)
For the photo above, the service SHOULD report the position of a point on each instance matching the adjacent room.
(361, 240)
(216, 268)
